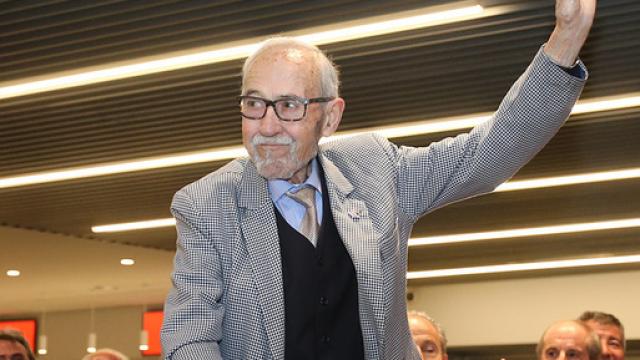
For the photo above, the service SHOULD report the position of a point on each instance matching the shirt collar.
(278, 187)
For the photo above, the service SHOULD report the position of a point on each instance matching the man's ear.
(333, 115)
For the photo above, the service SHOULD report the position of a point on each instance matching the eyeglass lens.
(286, 109)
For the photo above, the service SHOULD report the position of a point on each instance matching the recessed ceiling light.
(127, 262)
(13, 273)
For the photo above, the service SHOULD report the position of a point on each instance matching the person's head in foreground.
(610, 331)
(428, 336)
(289, 101)
(568, 340)
(13, 346)
(106, 354)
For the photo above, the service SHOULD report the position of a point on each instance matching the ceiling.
(449, 70)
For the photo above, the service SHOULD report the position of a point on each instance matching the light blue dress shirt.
(292, 211)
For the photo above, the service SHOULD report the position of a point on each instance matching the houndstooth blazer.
(228, 302)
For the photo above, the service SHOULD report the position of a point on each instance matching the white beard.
(277, 167)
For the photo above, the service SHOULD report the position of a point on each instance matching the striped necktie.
(307, 198)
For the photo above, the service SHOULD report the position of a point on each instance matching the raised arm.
(573, 22)
(533, 110)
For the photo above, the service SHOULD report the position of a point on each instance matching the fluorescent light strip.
(87, 77)
(430, 126)
(607, 103)
(431, 240)
(124, 167)
(545, 265)
(417, 127)
(393, 131)
(534, 231)
(375, 26)
(393, 25)
(150, 224)
(569, 180)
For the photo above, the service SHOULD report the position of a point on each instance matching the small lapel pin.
(354, 214)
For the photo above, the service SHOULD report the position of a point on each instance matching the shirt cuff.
(576, 70)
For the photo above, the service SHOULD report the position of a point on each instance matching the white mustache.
(271, 140)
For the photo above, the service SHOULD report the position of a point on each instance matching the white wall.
(496, 312)
(517, 311)
(117, 328)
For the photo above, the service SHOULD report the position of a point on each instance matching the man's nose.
(606, 351)
(270, 124)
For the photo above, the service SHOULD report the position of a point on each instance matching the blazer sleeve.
(192, 326)
(477, 162)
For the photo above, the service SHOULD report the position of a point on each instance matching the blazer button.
(324, 301)
(325, 339)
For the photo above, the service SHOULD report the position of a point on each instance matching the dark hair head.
(16, 337)
(604, 318)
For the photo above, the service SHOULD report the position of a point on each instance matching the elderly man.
(13, 346)
(428, 336)
(300, 250)
(610, 331)
(568, 340)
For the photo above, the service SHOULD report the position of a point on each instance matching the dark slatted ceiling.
(449, 70)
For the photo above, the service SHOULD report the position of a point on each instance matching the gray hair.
(441, 333)
(106, 351)
(593, 342)
(604, 318)
(329, 75)
(16, 337)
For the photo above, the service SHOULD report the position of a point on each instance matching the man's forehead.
(567, 343)
(11, 347)
(104, 357)
(567, 332)
(7, 343)
(283, 73)
(609, 329)
(420, 325)
(290, 54)
(294, 55)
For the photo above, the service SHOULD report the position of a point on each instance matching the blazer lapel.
(361, 241)
(259, 230)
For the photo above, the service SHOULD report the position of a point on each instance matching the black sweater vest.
(320, 293)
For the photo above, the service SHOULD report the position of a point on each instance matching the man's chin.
(276, 175)
(274, 172)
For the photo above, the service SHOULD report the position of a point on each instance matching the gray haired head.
(436, 325)
(328, 80)
(593, 342)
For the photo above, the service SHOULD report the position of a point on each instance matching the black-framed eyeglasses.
(290, 108)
